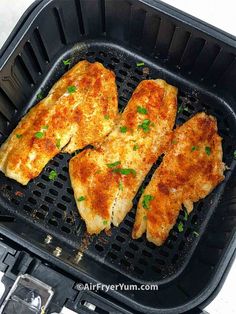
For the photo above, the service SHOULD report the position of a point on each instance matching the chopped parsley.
(71, 89)
(121, 188)
(174, 142)
(185, 215)
(81, 198)
(235, 154)
(66, 62)
(19, 135)
(106, 117)
(38, 135)
(58, 143)
(146, 201)
(105, 222)
(141, 110)
(145, 125)
(124, 171)
(136, 147)
(180, 226)
(182, 108)
(123, 129)
(44, 127)
(194, 148)
(140, 64)
(195, 233)
(39, 96)
(52, 175)
(208, 150)
(113, 164)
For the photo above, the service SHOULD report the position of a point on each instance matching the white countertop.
(221, 14)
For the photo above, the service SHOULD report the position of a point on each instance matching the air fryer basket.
(201, 62)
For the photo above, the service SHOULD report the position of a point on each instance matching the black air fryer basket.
(41, 230)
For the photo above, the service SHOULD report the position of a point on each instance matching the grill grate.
(51, 205)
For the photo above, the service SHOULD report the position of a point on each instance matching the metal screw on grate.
(57, 251)
(48, 239)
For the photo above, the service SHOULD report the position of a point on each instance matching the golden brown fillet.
(190, 170)
(80, 109)
(105, 180)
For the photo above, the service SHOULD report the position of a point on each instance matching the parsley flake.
(66, 62)
(146, 201)
(208, 150)
(145, 125)
(185, 215)
(52, 175)
(180, 226)
(140, 64)
(113, 164)
(174, 142)
(106, 117)
(19, 135)
(39, 96)
(44, 127)
(105, 222)
(195, 233)
(123, 129)
(121, 188)
(141, 110)
(71, 89)
(58, 143)
(136, 147)
(194, 148)
(124, 171)
(182, 108)
(81, 198)
(38, 135)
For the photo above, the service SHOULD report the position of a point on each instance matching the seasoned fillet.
(80, 109)
(191, 168)
(105, 180)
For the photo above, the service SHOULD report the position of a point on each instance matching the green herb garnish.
(19, 135)
(142, 110)
(185, 215)
(106, 117)
(124, 171)
(195, 233)
(44, 127)
(146, 201)
(208, 150)
(81, 198)
(135, 147)
(174, 142)
(121, 188)
(38, 135)
(52, 175)
(182, 108)
(113, 164)
(105, 222)
(193, 148)
(39, 96)
(123, 129)
(180, 226)
(140, 64)
(71, 89)
(66, 62)
(58, 143)
(145, 125)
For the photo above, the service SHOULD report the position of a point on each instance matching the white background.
(221, 14)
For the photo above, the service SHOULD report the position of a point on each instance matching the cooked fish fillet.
(80, 109)
(105, 180)
(190, 170)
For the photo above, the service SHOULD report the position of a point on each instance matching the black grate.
(51, 205)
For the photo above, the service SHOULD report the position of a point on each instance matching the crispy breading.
(105, 180)
(191, 168)
(79, 110)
